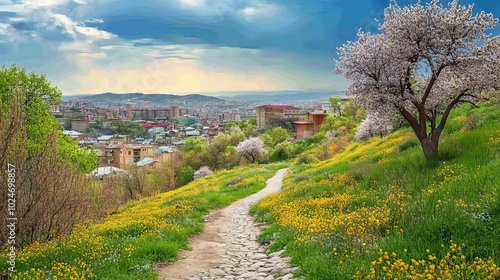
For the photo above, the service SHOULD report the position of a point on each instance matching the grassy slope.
(377, 210)
(126, 244)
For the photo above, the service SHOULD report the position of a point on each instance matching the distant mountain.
(252, 96)
(109, 97)
(280, 96)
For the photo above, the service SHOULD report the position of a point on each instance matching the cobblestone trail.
(228, 247)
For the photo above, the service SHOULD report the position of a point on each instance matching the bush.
(306, 158)
(202, 172)
(283, 151)
(186, 175)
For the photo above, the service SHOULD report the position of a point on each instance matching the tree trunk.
(430, 147)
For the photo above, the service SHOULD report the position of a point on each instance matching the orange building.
(310, 125)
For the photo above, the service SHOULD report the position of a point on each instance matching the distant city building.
(79, 125)
(175, 112)
(267, 112)
(122, 155)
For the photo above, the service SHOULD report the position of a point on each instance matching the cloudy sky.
(186, 46)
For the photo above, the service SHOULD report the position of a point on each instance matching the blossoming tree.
(252, 149)
(374, 124)
(426, 60)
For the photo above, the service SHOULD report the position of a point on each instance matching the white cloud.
(193, 3)
(72, 28)
(92, 55)
(75, 47)
(37, 4)
(259, 10)
(94, 33)
(248, 9)
(94, 20)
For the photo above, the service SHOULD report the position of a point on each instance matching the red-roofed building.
(268, 112)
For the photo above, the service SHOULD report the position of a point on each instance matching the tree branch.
(431, 83)
(450, 106)
(410, 118)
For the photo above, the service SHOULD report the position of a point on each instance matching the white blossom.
(374, 125)
(251, 149)
(202, 172)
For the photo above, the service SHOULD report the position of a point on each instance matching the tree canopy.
(426, 60)
(38, 95)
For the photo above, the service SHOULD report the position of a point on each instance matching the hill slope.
(126, 244)
(376, 210)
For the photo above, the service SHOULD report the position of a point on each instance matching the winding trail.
(228, 249)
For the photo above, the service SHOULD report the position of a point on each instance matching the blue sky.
(186, 46)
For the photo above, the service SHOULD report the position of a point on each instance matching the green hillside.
(377, 210)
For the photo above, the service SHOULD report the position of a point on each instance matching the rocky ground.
(228, 248)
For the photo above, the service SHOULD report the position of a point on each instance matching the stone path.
(228, 249)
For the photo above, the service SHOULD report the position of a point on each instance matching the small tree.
(252, 149)
(425, 61)
(336, 105)
(374, 125)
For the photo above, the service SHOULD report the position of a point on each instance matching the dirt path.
(227, 248)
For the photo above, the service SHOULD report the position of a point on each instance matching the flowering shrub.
(202, 172)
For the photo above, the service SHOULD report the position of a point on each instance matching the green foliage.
(232, 159)
(410, 143)
(336, 104)
(39, 96)
(129, 128)
(306, 158)
(212, 155)
(185, 121)
(250, 131)
(83, 159)
(228, 125)
(253, 121)
(345, 122)
(286, 123)
(186, 175)
(282, 151)
(194, 145)
(276, 136)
